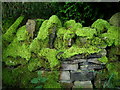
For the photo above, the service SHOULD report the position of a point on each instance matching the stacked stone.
(80, 72)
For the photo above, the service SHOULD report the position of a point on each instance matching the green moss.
(16, 49)
(112, 36)
(35, 45)
(46, 25)
(10, 61)
(9, 35)
(22, 34)
(86, 32)
(72, 25)
(74, 50)
(52, 80)
(68, 35)
(38, 23)
(98, 42)
(50, 55)
(36, 63)
(103, 59)
(59, 41)
(43, 33)
(6, 23)
(101, 25)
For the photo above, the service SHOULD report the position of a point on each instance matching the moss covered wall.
(55, 41)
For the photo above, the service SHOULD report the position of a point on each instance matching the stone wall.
(80, 72)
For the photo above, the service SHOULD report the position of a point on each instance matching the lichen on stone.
(10, 33)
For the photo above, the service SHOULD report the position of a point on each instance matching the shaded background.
(83, 12)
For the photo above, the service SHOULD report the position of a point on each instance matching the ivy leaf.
(42, 80)
(34, 80)
(39, 73)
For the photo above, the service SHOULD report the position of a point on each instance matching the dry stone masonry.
(81, 72)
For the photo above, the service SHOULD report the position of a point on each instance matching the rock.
(82, 76)
(103, 52)
(94, 60)
(74, 61)
(70, 67)
(67, 81)
(94, 56)
(83, 84)
(65, 76)
(96, 67)
(115, 19)
(30, 27)
(67, 85)
(52, 35)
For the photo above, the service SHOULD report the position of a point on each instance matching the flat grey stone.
(67, 81)
(65, 76)
(94, 60)
(74, 61)
(70, 67)
(81, 76)
(83, 84)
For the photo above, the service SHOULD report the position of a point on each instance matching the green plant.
(108, 84)
(79, 11)
(39, 80)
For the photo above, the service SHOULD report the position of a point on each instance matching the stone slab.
(82, 76)
(69, 67)
(65, 76)
(83, 84)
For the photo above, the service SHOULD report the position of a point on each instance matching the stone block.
(83, 84)
(65, 76)
(69, 67)
(81, 76)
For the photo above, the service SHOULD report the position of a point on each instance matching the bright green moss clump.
(101, 25)
(16, 49)
(9, 35)
(86, 32)
(112, 36)
(46, 25)
(50, 55)
(22, 34)
(72, 25)
(103, 59)
(74, 50)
